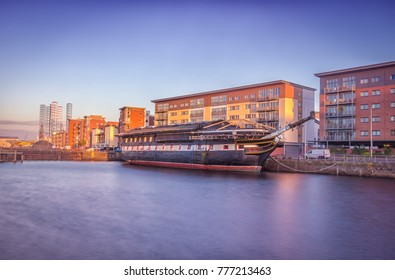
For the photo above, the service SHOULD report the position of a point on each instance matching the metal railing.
(346, 158)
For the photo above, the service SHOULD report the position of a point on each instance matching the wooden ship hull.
(216, 145)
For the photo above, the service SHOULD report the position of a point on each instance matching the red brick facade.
(358, 104)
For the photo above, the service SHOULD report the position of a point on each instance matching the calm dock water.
(111, 210)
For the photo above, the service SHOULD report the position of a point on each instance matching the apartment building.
(80, 130)
(357, 105)
(76, 133)
(273, 103)
(105, 137)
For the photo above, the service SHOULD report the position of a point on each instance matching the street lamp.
(371, 132)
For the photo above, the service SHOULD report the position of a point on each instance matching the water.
(110, 210)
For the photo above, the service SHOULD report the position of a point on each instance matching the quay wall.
(362, 169)
(30, 155)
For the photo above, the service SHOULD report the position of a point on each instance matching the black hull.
(235, 160)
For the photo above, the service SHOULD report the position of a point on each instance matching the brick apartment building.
(80, 130)
(357, 105)
(273, 103)
(130, 118)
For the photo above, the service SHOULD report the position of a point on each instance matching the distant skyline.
(103, 55)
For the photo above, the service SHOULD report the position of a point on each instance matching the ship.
(222, 145)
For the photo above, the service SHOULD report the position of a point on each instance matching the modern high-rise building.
(357, 105)
(55, 117)
(274, 103)
(51, 119)
(69, 114)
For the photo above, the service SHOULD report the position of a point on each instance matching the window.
(392, 132)
(197, 103)
(376, 133)
(350, 81)
(376, 106)
(364, 120)
(375, 79)
(375, 92)
(225, 147)
(364, 106)
(173, 114)
(375, 119)
(364, 133)
(364, 93)
(364, 81)
(392, 118)
(392, 104)
(218, 100)
(248, 106)
(392, 90)
(392, 77)
(235, 117)
(237, 107)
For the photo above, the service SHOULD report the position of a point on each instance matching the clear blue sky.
(102, 55)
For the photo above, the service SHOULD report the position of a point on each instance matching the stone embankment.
(365, 168)
(28, 154)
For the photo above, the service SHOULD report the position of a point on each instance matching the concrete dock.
(357, 166)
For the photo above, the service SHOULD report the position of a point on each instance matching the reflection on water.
(87, 210)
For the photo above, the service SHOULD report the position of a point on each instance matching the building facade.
(76, 133)
(105, 137)
(357, 105)
(80, 130)
(130, 118)
(51, 119)
(91, 122)
(59, 139)
(55, 118)
(273, 103)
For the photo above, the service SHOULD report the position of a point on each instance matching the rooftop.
(232, 89)
(356, 69)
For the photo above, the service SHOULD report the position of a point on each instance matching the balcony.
(196, 115)
(161, 117)
(161, 110)
(340, 115)
(339, 89)
(219, 103)
(340, 101)
(268, 98)
(338, 127)
(266, 109)
(194, 106)
(269, 119)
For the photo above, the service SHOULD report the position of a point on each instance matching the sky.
(103, 55)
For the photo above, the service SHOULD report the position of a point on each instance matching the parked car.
(318, 153)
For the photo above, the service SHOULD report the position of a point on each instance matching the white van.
(318, 153)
